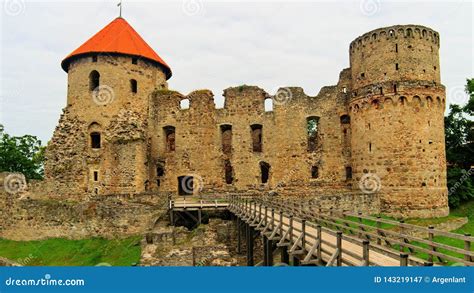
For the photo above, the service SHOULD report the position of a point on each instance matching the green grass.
(64, 252)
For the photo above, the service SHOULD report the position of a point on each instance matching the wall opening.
(396, 48)
(133, 86)
(396, 66)
(370, 147)
(264, 172)
(184, 104)
(348, 173)
(345, 119)
(268, 105)
(314, 172)
(256, 130)
(185, 185)
(170, 138)
(134, 60)
(96, 176)
(312, 127)
(94, 80)
(226, 137)
(160, 172)
(395, 88)
(228, 170)
(95, 140)
(94, 58)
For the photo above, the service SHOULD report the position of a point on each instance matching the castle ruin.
(376, 139)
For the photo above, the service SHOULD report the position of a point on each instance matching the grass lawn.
(64, 252)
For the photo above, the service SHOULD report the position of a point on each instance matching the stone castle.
(374, 140)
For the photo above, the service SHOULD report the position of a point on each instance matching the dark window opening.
(96, 176)
(396, 48)
(160, 171)
(95, 140)
(395, 88)
(94, 58)
(396, 66)
(370, 147)
(185, 185)
(226, 135)
(133, 86)
(362, 75)
(381, 91)
(345, 119)
(256, 137)
(314, 172)
(348, 173)
(94, 80)
(170, 138)
(229, 178)
(134, 60)
(312, 127)
(264, 172)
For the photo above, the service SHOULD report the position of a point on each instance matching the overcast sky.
(212, 44)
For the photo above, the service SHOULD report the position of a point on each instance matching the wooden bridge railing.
(374, 238)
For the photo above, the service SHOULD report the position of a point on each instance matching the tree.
(21, 154)
(459, 132)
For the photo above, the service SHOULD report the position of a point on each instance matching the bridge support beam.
(285, 257)
(250, 241)
(270, 247)
(239, 235)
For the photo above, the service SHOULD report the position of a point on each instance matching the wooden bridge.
(307, 235)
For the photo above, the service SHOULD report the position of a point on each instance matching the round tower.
(397, 105)
(104, 131)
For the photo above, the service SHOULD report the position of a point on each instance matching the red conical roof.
(118, 37)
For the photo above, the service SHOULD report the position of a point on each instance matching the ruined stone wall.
(398, 144)
(199, 147)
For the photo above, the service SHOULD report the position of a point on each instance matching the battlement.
(393, 33)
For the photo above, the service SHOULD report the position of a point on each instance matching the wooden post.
(467, 247)
(379, 225)
(249, 233)
(260, 212)
(365, 252)
(273, 219)
(281, 223)
(239, 237)
(303, 231)
(360, 222)
(291, 230)
(172, 217)
(402, 247)
(265, 250)
(403, 259)
(339, 247)
(285, 257)
(318, 253)
(199, 217)
(430, 238)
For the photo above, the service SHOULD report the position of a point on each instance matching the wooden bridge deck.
(310, 238)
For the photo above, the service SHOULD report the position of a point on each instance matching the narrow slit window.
(170, 138)
(94, 80)
(314, 172)
(348, 173)
(226, 135)
(133, 86)
(96, 176)
(228, 172)
(264, 172)
(312, 127)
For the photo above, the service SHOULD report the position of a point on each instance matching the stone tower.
(397, 124)
(110, 79)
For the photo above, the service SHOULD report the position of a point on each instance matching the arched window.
(133, 86)
(94, 80)
(184, 104)
(169, 138)
(226, 135)
(268, 105)
(95, 140)
(312, 127)
(257, 141)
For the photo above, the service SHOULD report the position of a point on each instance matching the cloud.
(264, 43)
